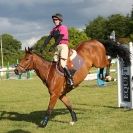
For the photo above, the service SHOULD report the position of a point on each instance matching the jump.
(92, 52)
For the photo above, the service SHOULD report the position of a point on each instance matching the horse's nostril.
(16, 65)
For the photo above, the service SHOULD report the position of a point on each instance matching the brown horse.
(92, 52)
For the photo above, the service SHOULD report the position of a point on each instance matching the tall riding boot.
(69, 77)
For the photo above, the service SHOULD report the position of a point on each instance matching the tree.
(96, 29)
(119, 23)
(131, 25)
(100, 28)
(76, 36)
(11, 49)
(132, 13)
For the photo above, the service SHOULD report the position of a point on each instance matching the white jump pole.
(125, 82)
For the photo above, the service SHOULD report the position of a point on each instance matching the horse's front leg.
(52, 102)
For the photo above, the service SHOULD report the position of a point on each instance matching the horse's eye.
(27, 59)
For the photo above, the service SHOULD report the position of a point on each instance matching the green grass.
(23, 103)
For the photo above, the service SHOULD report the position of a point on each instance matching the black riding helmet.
(59, 16)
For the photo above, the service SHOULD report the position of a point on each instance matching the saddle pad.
(77, 63)
(77, 60)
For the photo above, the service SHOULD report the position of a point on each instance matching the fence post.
(7, 71)
(19, 76)
(0, 75)
(28, 75)
(125, 82)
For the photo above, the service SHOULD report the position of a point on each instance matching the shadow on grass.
(88, 105)
(95, 86)
(18, 131)
(117, 108)
(125, 109)
(36, 116)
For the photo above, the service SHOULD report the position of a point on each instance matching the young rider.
(60, 35)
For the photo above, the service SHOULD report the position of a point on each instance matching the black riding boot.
(69, 77)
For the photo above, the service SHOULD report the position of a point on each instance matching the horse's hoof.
(43, 124)
(72, 123)
(74, 117)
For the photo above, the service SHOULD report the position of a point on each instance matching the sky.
(29, 20)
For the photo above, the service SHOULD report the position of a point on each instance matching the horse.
(93, 54)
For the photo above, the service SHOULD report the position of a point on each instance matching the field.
(23, 103)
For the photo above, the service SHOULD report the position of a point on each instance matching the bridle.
(22, 68)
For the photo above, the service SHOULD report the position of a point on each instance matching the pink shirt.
(64, 31)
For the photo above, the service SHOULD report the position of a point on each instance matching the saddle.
(74, 62)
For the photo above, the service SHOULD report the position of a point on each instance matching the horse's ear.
(29, 49)
(26, 50)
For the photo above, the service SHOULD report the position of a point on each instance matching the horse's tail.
(114, 49)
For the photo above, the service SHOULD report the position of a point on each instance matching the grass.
(23, 103)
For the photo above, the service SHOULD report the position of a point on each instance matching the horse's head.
(26, 62)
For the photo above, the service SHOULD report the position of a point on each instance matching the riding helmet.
(59, 16)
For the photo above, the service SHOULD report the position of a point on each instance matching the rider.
(60, 35)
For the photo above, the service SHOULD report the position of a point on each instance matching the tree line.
(99, 28)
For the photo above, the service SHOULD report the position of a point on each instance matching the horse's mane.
(42, 58)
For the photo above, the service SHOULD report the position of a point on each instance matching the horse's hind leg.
(67, 103)
(108, 68)
(102, 76)
(101, 73)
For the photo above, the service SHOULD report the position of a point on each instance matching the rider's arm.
(56, 43)
(45, 43)
(47, 40)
